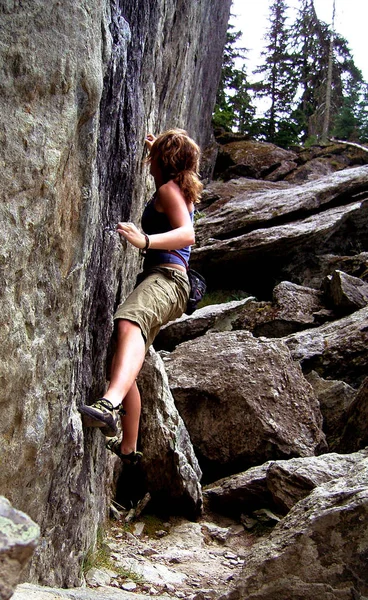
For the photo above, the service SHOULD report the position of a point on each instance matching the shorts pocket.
(166, 291)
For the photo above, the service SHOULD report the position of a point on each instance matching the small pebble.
(161, 533)
(230, 555)
(153, 591)
(138, 528)
(148, 552)
(128, 586)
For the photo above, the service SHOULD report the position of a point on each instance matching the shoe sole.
(90, 420)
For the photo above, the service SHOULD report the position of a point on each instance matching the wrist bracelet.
(147, 242)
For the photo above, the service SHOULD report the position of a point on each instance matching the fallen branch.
(335, 141)
(134, 513)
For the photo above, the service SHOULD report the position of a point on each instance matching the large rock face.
(279, 485)
(81, 85)
(282, 233)
(241, 157)
(243, 400)
(337, 349)
(171, 467)
(318, 551)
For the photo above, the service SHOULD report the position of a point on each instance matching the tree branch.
(335, 141)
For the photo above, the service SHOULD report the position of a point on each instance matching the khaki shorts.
(161, 297)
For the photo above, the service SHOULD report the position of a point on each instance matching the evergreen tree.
(241, 103)
(362, 114)
(278, 83)
(310, 42)
(351, 120)
(233, 109)
(331, 87)
(309, 77)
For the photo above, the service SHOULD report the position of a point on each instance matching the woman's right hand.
(132, 234)
(150, 138)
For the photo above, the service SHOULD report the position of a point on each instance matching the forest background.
(307, 82)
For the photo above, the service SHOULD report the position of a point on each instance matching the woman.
(163, 291)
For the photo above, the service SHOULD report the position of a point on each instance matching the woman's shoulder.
(169, 192)
(169, 195)
(170, 187)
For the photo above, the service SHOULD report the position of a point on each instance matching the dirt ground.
(182, 559)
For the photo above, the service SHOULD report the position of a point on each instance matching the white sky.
(351, 22)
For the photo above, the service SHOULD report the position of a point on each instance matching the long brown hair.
(177, 157)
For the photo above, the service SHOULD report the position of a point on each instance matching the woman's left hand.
(131, 233)
(149, 141)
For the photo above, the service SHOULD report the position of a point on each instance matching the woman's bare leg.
(127, 362)
(130, 422)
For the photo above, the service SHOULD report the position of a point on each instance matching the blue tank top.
(153, 222)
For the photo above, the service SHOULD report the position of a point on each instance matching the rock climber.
(162, 289)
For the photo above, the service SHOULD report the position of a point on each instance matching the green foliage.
(197, 215)
(345, 123)
(152, 524)
(278, 83)
(311, 141)
(99, 557)
(351, 122)
(233, 107)
(305, 95)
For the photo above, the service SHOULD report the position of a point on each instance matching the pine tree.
(233, 109)
(331, 86)
(351, 120)
(309, 76)
(362, 114)
(241, 103)
(310, 42)
(278, 83)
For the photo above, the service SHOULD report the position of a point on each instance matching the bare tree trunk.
(326, 120)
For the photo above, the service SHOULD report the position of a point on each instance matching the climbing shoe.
(131, 459)
(101, 414)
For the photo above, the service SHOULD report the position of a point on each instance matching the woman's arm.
(170, 201)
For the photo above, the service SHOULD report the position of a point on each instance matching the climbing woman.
(163, 289)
